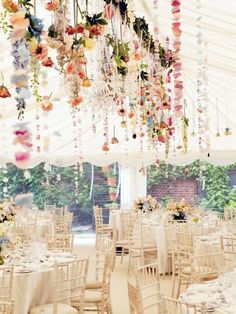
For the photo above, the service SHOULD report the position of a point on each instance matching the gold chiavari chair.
(141, 252)
(144, 292)
(25, 231)
(174, 306)
(127, 223)
(228, 246)
(6, 284)
(102, 230)
(60, 242)
(97, 293)
(62, 223)
(181, 259)
(69, 282)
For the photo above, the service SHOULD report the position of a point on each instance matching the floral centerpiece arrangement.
(179, 210)
(8, 211)
(146, 204)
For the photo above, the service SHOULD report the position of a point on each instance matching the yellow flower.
(89, 43)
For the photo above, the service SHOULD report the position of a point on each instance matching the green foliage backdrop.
(214, 181)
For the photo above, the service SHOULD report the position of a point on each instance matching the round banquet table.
(33, 282)
(31, 289)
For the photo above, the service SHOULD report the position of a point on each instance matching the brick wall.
(181, 188)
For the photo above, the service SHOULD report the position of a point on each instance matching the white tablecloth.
(31, 289)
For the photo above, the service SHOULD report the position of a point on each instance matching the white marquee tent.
(218, 24)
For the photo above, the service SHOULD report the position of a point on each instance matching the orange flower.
(76, 101)
(82, 60)
(105, 147)
(70, 67)
(52, 5)
(46, 105)
(10, 6)
(4, 92)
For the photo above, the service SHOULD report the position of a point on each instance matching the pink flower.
(18, 21)
(22, 156)
(175, 3)
(41, 51)
(52, 5)
(109, 11)
(82, 74)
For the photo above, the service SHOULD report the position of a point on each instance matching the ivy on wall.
(214, 181)
(60, 190)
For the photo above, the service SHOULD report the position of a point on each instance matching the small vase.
(1, 257)
(180, 216)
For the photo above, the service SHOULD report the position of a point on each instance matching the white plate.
(23, 270)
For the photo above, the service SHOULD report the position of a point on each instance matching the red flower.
(76, 101)
(161, 139)
(82, 74)
(79, 28)
(47, 62)
(96, 30)
(4, 92)
(70, 30)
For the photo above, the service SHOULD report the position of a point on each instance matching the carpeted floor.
(119, 293)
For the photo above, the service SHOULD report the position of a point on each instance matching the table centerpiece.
(179, 210)
(146, 204)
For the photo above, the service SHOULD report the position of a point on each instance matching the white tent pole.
(133, 185)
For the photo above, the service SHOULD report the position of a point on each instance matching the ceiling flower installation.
(134, 76)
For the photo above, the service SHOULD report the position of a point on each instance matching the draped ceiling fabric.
(219, 33)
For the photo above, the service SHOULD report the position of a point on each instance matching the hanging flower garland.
(177, 65)
(22, 138)
(27, 49)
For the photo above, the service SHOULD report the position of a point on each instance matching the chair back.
(62, 223)
(61, 242)
(98, 216)
(105, 260)
(173, 306)
(6, 307)
(26, 230)
(144, 293)
(184, 242)
(208, 266)
(228, 244)
(70, 282)
(78, 278)
(6, 284)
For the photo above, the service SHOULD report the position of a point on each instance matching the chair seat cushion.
(48, 309)
(122, 242)
(94, 285)
(91, 297)
(201, 271)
